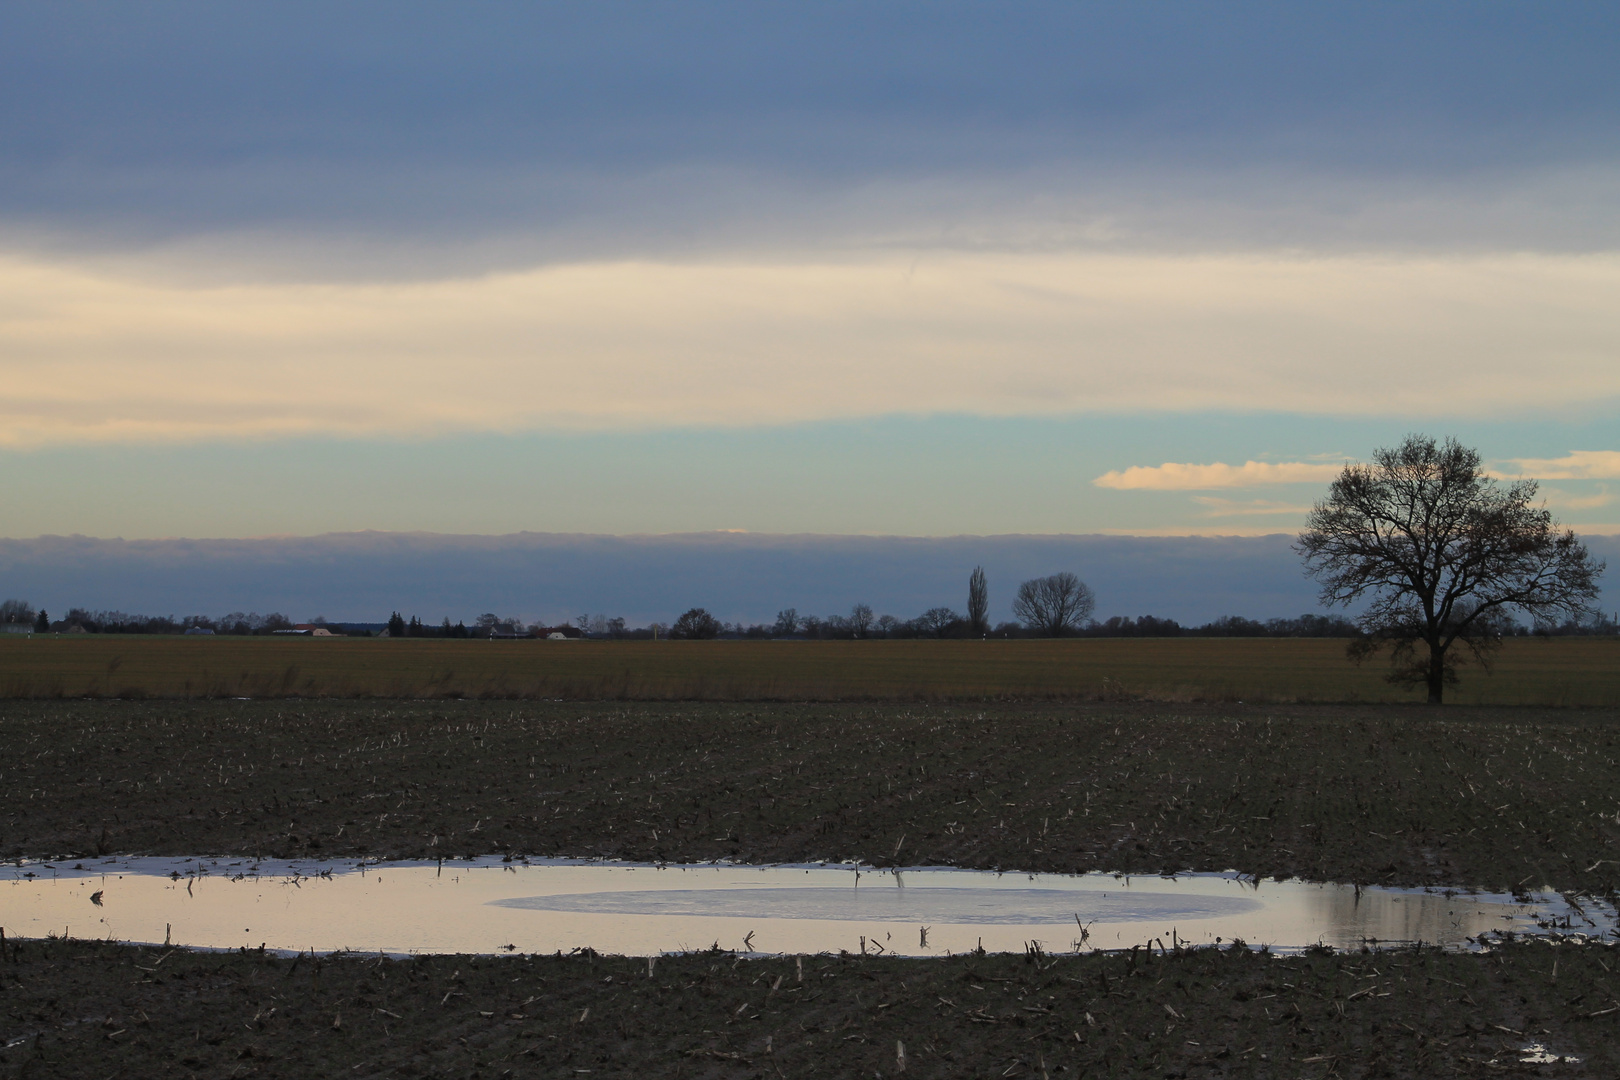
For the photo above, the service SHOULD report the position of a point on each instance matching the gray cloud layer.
(506, 133)
(363, 576)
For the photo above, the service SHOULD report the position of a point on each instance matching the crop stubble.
(1494, 798)
(89, 1009)
(1489, 797)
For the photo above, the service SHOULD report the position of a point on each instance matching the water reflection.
(921, 903)
(542, 906)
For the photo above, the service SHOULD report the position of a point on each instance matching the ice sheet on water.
(968, 906)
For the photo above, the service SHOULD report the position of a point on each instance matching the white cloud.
(89, 356)
(1576, 465)
(1176, 476)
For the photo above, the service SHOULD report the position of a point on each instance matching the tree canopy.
(1441, 554)
(696, 624)
(978, 601)
(1055, 605)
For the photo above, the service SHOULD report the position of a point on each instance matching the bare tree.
(860, 620)
(1443, 554)
(787, 623)
(696, 624)
(1054, 606)
(936, 621)
(979, 601)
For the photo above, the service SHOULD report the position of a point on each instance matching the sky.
(887, 269)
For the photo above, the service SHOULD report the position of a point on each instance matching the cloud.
(1175, 476)
(549, 133)
(1576, 465)
(1216, 507)
(89, 356)
(1565, 500)
(744, 577)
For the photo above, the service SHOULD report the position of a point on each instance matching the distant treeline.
(699, 624)
(82, 620)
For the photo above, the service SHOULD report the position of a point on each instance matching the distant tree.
(1233, 626)
(1145, 626)
(615, 626)
(42, 622)
(787, 623)
(1595, 625)
(1441, 553)
(696, 625)
(414, 628)
(936, 621)
(1054, 606)
(835, 626)
(978, 612)
(83, 619)
(886, 625)
(396, 625)
(16, 611)
(860, 620)
(275, 621)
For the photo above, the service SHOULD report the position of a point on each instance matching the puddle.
(487, 906)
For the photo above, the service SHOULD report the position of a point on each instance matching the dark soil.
(95, 1010)
(1388, 795)
(1493, 798)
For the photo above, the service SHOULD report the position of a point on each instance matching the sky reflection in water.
(488, 906)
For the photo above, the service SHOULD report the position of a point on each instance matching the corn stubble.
(1501, 799)
(90, 1009)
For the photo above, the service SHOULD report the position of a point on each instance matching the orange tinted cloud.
(1175, 476)
(1576, 465)
(87, 355)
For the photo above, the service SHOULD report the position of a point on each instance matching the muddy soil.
(97, 1010)
(1493, 798)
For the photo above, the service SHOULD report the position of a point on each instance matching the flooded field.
(491, 906)
(294, 796)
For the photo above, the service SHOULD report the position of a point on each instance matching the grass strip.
(1535, 671)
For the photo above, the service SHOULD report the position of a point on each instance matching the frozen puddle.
(485, 906)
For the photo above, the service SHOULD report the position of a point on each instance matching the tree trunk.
(1437, 673)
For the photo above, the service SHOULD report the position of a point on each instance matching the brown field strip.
(1560, 671)
(1493, 797)
(94, 1009)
